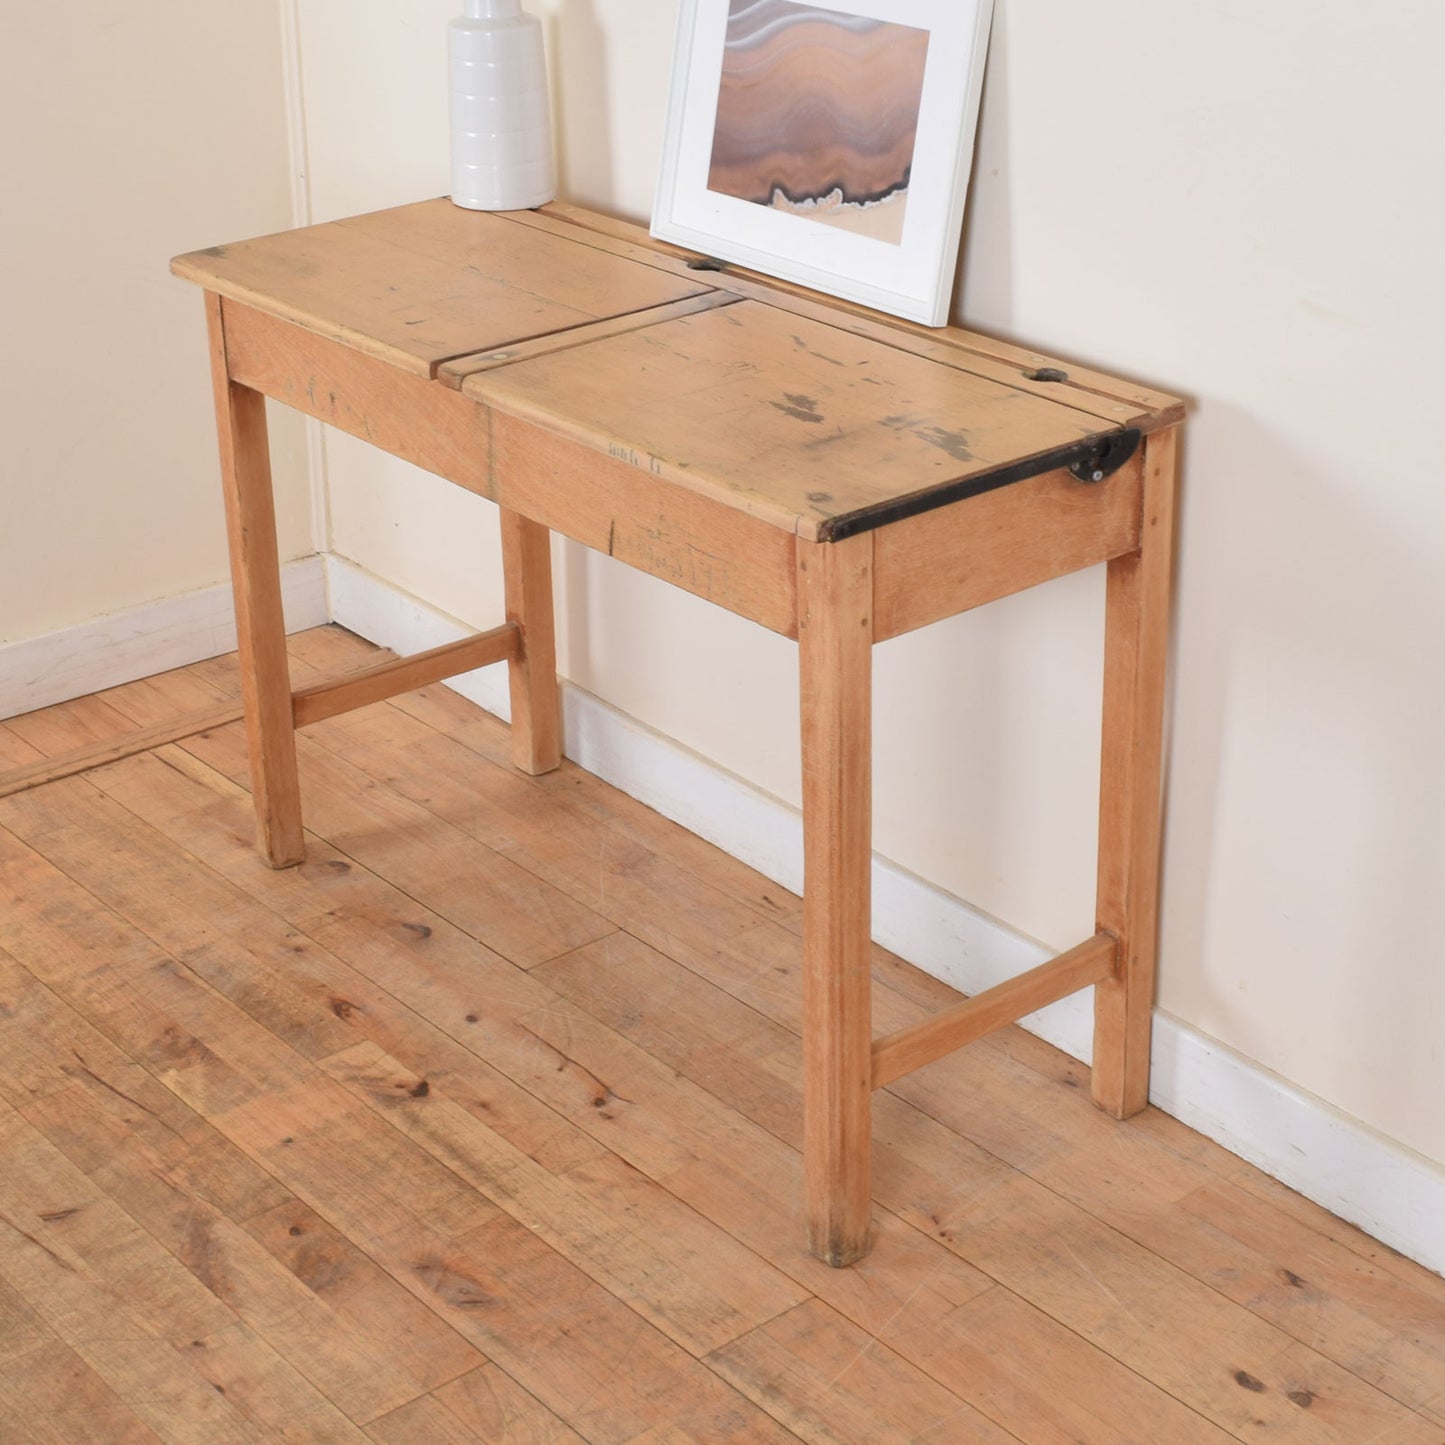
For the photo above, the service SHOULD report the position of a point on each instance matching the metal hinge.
(1091, 460)
(1105, 455)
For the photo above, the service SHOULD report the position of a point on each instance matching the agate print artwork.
(818, 114)
(827, 143)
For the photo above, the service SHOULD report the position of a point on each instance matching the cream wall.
(130, 133)
(1236, 201)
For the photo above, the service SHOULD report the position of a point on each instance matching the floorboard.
(483, 1124)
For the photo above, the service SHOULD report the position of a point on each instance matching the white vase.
(501, 115)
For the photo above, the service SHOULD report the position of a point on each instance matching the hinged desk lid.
(421, 284)
(810, 428)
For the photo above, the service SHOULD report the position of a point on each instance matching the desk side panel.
(707, 548)
(415, 419)
(986, 547)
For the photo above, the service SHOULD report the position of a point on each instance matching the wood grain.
(925, 1042)
(925, 1164)
(320, 700)
(786, 419)
(474, 282)
(616, 504)
(1136, 633)
(1034, 1264)
(506, 1016)
(15, 752)
(448, 716)
(495, 1408)
(975, 551)
(1083, 384)
(827, 1380)
(80, 760)
(690, 1279)
(453, 373)
(532, 669)
(50, 1396)
(256, 585)
(112, 1294)
(68, 727)
(365, 396)
(835, 642)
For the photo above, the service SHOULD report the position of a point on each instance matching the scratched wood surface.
(785, 418)
(791, 408)
(1111, 397)
(484, 1124)
(423, 283)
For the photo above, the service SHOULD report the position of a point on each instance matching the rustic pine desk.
(835, 475)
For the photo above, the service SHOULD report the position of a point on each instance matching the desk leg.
(260, 626)
(532, 676)
(835, 644)
(1136, 633)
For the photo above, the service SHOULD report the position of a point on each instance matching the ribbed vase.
(501, 114)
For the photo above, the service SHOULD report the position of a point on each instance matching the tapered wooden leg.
(835, 644)
(1136, 632)
(260, 626)
(532, 675)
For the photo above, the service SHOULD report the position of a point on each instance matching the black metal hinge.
(1091, 460)
(1105, 455)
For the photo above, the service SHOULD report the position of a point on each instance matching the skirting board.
(142, 641)
(1387, 1190)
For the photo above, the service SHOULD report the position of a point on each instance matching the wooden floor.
(483, 1125)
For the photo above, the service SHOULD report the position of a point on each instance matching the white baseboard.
(1392, 1193)
(143, 641)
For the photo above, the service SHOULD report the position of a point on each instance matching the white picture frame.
(739, 67)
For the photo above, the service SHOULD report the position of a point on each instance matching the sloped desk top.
(815, 416)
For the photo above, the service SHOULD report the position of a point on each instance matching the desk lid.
(421, 284)
(813, 429)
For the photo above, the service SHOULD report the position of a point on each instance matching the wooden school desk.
(835, 475)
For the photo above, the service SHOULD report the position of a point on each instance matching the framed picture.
(829, 143)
